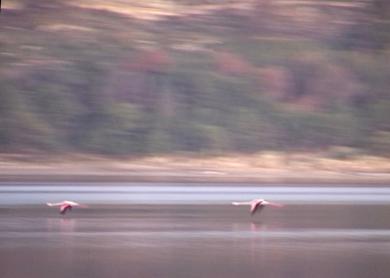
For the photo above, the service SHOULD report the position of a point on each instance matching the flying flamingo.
(257, 204)
(65, 205)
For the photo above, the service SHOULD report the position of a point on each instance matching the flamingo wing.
(257, 207)
(64, 208)
(254, 207)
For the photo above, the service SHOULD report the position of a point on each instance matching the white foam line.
(17, 195)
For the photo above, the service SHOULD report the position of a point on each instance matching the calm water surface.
(178, 231)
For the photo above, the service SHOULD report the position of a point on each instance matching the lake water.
(191, 230)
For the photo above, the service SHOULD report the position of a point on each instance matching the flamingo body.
(65, 205)
(257, 205)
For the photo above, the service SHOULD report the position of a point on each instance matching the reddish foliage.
(150, 60)
(231, 64)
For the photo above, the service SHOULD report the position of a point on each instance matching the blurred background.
(287, 100)
(198, 76)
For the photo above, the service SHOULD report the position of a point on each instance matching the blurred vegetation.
(124, 77)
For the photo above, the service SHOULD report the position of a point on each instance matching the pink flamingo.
(257, 204)
(65, 205)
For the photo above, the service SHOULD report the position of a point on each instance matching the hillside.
(160, 77)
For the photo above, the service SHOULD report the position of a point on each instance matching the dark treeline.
(131, 78)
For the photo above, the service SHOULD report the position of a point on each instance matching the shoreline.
(264, 168)
(248, 181)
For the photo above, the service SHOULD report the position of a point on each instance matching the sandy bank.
(265, 167)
